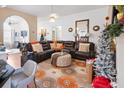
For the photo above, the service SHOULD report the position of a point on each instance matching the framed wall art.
(81, 28)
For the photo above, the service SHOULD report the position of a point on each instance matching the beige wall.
(31, 20)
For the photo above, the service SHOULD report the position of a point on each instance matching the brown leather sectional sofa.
(69, 46)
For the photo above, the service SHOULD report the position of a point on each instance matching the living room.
(48, 48)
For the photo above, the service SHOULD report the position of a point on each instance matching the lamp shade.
(52, 19)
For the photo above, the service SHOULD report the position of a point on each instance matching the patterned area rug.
(48, 76)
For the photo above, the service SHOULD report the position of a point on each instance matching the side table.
(3, 56)
(89, 69)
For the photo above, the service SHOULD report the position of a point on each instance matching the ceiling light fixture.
(53, 16)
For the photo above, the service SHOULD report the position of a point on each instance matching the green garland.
(120, 8)
(115, 29)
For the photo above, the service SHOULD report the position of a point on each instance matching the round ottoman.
(61, 59)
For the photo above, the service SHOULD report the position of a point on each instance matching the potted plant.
(42, 37)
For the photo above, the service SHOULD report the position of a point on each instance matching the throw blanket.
(55, 57)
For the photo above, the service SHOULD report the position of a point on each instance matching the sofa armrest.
(92, 54)
(66, 50)
(32, 55)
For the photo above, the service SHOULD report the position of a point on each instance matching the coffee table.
(61, 59)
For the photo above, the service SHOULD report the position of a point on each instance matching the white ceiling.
(61, 10)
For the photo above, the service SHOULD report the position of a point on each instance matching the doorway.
(16, 30)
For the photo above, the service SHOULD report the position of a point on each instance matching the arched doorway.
(16, 29)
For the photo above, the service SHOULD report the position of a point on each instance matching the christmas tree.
(105, 65)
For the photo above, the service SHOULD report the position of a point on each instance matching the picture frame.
(81, 28)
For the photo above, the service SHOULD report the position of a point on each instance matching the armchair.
(25, 75)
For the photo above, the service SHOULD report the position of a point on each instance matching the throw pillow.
(84, 47)
(59, 45)
(37, 47)
(52, 45)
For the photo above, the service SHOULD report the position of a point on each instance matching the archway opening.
(16, 30)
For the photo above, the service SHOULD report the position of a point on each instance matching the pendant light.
(53, 16)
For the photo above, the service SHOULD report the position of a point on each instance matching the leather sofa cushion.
(45, 53)
(45, 45)
(69, 44)
(41, 56)
(50, 51)
(66, 50)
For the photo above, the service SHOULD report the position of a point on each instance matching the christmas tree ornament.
(121, 20)
(120, 15)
